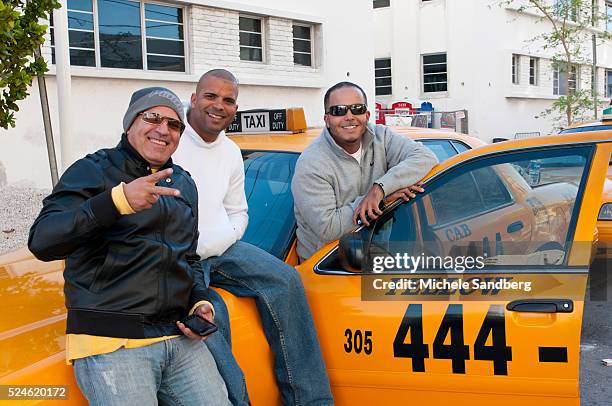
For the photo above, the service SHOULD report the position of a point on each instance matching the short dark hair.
(218, 73)
(341, 85)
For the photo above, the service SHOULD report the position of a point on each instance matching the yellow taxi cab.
(432, 336)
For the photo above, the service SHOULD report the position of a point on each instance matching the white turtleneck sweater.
(218, 171)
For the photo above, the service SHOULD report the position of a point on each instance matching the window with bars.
(251, 39)
(80, 33)
(435, 75)
(560, 74)
(516, 60)
(302, 44)
(124, 34)
(164, 34)
(534, 67)
(382, 76)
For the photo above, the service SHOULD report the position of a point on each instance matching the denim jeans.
(247, 271)
(178, 371)
(220, 346)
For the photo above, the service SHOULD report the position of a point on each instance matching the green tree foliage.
(572, 24)
(20, 35)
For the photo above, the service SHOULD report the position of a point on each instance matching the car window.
(268, 190)
(481, 190)
(459, 146)
(488, 208)
(538, 172)
(442, 149)
(493, 191)
(447, 207)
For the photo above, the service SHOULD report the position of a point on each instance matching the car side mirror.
(352, 252)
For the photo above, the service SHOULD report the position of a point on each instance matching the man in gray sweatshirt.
(349, 169)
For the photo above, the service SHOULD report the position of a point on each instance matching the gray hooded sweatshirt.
(329, 183)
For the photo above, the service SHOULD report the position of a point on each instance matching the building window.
(381, 3)
(251, 44)
(435, 77)
(113, 36)
(165, 42)
(533, 71)
(80, 34)
(516, 59)
(382, 76)
(608, 83)
(566, 9)
(608, 15)
(559, 80)
(302, 45)
(120, 34)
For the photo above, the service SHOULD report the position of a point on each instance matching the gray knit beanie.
(148, 97)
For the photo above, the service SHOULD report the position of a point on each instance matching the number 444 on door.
(494, 325)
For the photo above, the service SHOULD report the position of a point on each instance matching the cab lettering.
(255, 122)
(458, 232)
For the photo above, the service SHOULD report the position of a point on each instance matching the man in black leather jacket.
(125, 221)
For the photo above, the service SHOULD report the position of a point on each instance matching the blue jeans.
(247, 271)
(178, 371)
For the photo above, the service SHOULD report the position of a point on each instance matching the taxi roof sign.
(255, 121)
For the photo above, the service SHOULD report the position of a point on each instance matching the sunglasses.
(341, 109)
(158, 119)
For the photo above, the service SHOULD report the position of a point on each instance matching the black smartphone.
(198, 325)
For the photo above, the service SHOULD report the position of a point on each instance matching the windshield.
(268, 190)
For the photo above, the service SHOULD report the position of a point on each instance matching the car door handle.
(541, 306)
(514, 227)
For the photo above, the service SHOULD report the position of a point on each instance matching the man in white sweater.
(215, 163)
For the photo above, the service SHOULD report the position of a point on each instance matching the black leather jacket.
(126, 276)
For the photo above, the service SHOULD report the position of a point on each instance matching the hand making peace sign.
(142, 193)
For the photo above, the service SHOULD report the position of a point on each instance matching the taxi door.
(508, 333)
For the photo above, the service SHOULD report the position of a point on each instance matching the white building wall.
(479, 39)
(383, 29)
(100, 95)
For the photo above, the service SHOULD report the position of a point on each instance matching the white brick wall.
(215, 43)
(212, 33)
